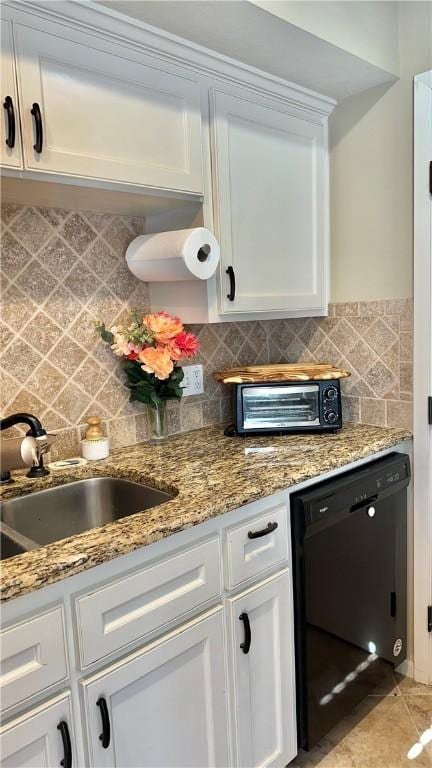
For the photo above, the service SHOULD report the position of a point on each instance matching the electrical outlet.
(192, 383)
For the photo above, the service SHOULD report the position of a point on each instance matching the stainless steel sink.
(9, 547)
(66, 510)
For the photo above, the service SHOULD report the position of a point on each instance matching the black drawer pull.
(245, 646)
(8, 105)
(105, 736)
(231, 275)
(67, 746)
(35, 110)
(265, 531)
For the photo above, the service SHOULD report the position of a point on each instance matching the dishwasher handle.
(371, 500)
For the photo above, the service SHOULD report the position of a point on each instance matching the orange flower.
(163, 326)
(156, 360)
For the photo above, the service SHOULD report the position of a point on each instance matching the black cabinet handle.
(231, 275)
(67, 747)
(265, 531)
(8, 105)
(105, 736)
(245, 646)
(35, 110)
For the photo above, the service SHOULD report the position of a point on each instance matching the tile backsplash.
(62, 270)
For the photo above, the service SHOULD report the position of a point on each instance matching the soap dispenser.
(95, 445)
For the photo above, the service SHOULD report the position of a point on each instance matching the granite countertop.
(210, 475)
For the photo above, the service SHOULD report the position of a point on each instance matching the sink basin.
(9, 547)
(56, 513)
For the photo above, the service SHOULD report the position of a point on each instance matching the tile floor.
(380, 733)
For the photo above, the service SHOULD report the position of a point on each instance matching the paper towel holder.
(204, 252)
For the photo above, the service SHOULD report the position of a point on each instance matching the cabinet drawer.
(33, 657)
(257, 545)
(130, 608)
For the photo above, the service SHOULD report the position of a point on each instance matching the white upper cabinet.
(164, 705)
(10, 134)
(271, 205)
(92, 113)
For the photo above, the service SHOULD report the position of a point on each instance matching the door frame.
(422, 376)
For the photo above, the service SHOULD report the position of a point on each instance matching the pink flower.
(156, 360)
(187, 343)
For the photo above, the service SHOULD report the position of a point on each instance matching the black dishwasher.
(349, 539)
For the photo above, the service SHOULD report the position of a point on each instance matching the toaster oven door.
(280, 407)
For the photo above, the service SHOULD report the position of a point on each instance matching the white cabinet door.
(39, 739)
(271, 203)
(105, 116)
(264, 687)
(165, 705)
(10, 133)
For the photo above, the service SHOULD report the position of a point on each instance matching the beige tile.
(380, 336)
(42, 333)
(31, 229)
(9, 388)
(101, 259)
(118, 236)
(53, 421)
(190, 416)
(141, 427)
(410, 687)
(327, 352)
(372, 308)
(211, 412)
(67, 356)
(406, 377)
(26, 401)
(105, 306)
(90, 376)
(20, 360)
(406, 347)
(77, 233)
(6, 335)
(71, 403)
(311, 335)
(344, 336)
(67, 445)
(47, 382)
(62, 305)
(420, 709)
(361, 356)
(350, 408)
(392, 358)
(35, 281)
(399, 414)
(378, 734)
(346, 309)
(55, 216)
(57, 257)
(373, 411)
(81, 282)
(83, 331)
(14, 256)
(380, 379)
(8, 212)
(173, 416)
(113, 395)
(122, 282)
(16, 308)
(121, 432)
(99, 221)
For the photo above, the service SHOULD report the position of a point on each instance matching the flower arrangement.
(151, 348)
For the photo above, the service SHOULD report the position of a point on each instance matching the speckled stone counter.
(210, 475)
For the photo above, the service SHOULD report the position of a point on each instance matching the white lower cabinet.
(262, 658)
(164, 705)
(42, 738)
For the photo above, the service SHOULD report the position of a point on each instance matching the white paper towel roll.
(184, 254)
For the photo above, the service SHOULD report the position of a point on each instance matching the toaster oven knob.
(330, 417)
(330, 392)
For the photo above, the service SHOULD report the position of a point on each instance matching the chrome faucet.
(26, 451)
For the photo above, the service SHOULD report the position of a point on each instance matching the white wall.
(371, 161)
(365, 29)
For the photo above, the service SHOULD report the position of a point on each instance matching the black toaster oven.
(287, 406)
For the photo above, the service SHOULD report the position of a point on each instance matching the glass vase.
(158, 422)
